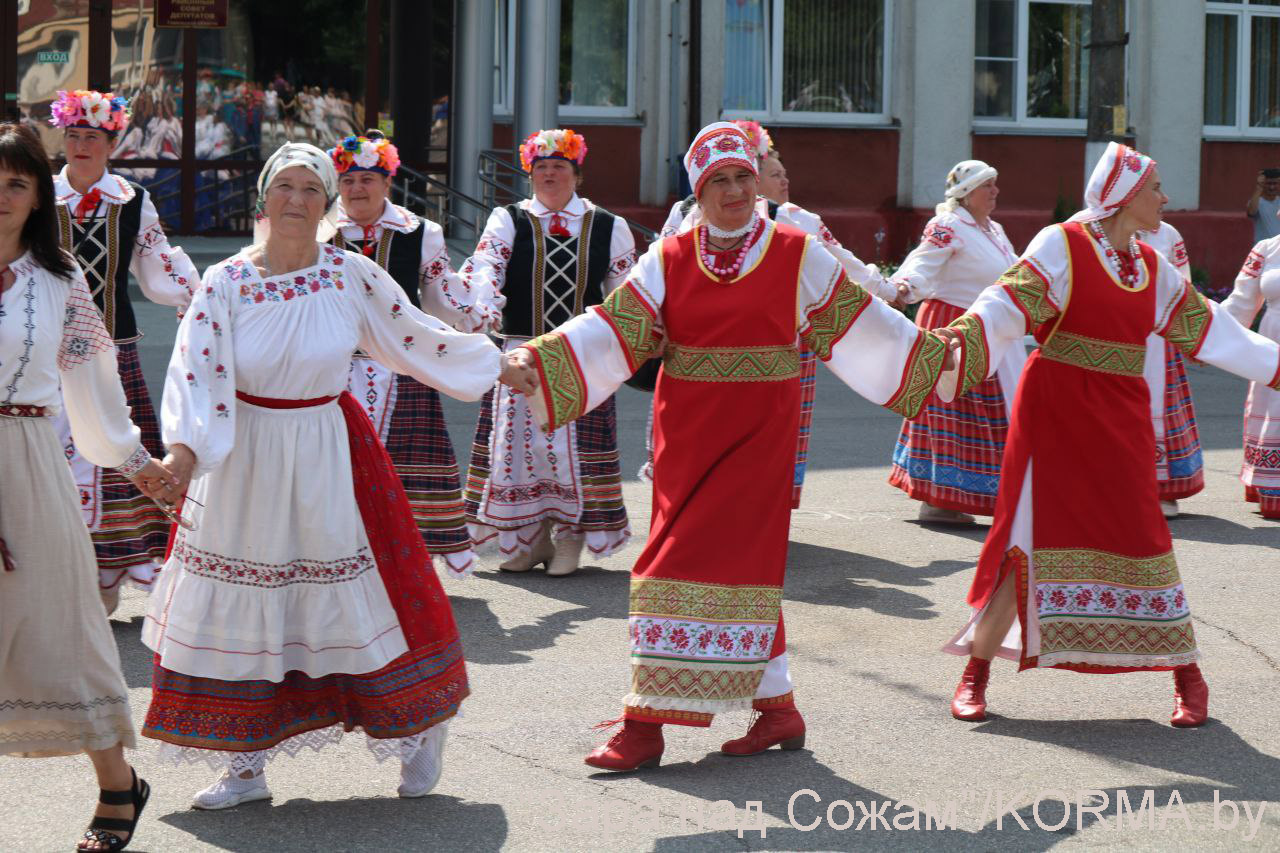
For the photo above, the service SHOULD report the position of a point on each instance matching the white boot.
(539, 552)
(1169, 508)
(232, 788)
(419, 775)
(568, 553)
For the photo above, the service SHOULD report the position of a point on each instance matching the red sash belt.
(275, 403)
(402, 558)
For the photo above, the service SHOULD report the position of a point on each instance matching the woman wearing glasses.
(303, 604)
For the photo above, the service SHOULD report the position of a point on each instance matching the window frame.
(1020, 120)
(1243, 12)
(774, 114)
(505, 68)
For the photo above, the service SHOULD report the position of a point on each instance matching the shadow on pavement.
(595, 593)
(433, 822)
(832, 577)
(1221, 531)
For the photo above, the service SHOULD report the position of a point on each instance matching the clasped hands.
(951, 338)
(519, 372)
(166, 482)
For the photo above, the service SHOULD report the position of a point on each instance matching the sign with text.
(191, 13)
(55, 56)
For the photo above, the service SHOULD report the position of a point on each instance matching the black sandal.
(102, 830)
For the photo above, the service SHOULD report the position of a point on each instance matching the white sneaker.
(1169, 508)
(937, 515)
(419, 775)
(232, 791)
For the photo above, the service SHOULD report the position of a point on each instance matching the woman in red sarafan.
(1078, 570)
(725, 303)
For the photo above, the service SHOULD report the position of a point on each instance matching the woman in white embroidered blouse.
(61, 690)
(949, 457)
(303, 603)
(560, 491)
(112, 227)
(1258, 287)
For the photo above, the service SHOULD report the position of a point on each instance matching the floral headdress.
(760, 141)
(87, 108)
(360, 153)
(561, 143)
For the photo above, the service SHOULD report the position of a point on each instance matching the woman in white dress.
(304, 603)
(61, 690)
(1258, 287)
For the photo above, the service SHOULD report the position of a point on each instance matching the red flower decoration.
(288, 294)
(701, 156)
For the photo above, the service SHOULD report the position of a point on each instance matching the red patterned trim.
(665, 715)
(775, 703)
(564, 387)
(1274, 384)
(22, 411)
(1253, 264)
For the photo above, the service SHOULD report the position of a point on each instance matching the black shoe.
(103, 830)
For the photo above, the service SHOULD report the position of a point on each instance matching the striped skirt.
(1261, 469)
(418, 443)
(132, 533)
(808, 387)
(602, 520)
(949, 456)
(1179, 461)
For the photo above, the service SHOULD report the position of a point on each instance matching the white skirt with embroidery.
(279, 575)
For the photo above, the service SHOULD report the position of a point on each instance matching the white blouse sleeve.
(920, 269)
(199, 404)
(485, 272)
(675, 218)
(408, 341)
(1203, 330)
(622, 254)
(1178, 253)
(165, 273)
(463, 305)
(584, 361)
(874, 349)
(91, 390)
(1028, 295)
(1246, 300)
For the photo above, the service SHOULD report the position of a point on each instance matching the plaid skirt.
(418, 443)
(949, 456)
(132, 533)
(1179, 461)
(808, 388)
(603, 521)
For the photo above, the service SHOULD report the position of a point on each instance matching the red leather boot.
(970, 701)
(1190, 697)
(637, 744)
(777, 723)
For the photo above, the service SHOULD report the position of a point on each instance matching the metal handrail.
(448, 207)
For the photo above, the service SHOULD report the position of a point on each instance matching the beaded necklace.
(1125, 267)
(734, 266)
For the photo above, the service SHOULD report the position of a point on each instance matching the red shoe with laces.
(1190, 697)
(970, 701)
(782, 727)
(636, 745)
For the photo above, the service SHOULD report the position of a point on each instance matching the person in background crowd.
(1263, 206)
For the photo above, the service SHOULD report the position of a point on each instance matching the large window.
(1031, 67)
(597, 58)
(1242, 68)
(810, 61)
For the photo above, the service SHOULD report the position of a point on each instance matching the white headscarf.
(964, 177)
(1115, 180)
(313, 160)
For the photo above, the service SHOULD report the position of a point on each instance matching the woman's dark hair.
(374, 134)
(21, 151)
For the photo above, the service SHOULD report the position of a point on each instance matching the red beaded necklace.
(727, 264)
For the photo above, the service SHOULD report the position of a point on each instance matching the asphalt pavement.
(871, 595)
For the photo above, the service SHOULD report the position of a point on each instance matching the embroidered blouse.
(51, 335)
(292, 337)
(956, 259)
